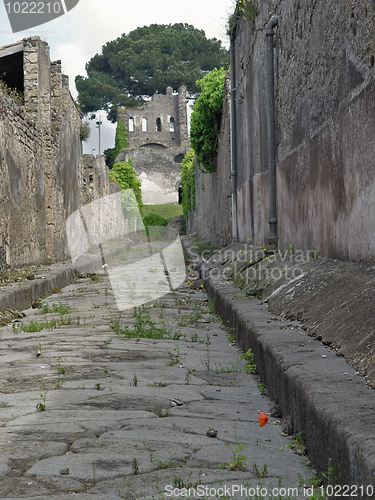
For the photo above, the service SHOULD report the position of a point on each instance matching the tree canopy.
(146, 61)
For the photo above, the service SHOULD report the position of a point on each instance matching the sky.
(80, 34)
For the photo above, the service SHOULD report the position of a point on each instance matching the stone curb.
(19, 296)
(324, 397)
(22, 295)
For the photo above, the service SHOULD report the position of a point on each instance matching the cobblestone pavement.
(90, 407)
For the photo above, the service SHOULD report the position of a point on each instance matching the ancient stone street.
(92, 408)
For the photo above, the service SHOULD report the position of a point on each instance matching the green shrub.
(205, 119)
(124, 176)
(155, 220)
(85, 131)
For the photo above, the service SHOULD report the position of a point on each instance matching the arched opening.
(158, 125)
(144, 124)
(131, 124)
(171, 124)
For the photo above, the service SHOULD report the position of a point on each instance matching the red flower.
(263, 419)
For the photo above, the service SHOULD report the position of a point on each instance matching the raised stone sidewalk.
(314, 313)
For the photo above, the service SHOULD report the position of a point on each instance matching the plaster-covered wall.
(324, 87)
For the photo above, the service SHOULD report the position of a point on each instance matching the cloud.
(73, 62)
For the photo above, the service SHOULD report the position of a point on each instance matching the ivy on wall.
(121, 138)
(205, 119)
(188, 183)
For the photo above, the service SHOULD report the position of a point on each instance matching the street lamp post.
(98, 125)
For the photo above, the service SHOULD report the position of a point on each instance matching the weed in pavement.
(262, 389)
(250, 366)
(55, 308)
(42, 406)
(143, 327)
(162, 413)
(260, 474)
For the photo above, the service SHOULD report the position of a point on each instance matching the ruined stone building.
(161, 122)
(158, 140)
(43, 175)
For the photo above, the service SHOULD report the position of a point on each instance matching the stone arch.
(153, 145)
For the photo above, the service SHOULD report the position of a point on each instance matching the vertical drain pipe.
(233, 134)
(272, 235)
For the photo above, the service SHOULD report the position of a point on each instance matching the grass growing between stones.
(35, 326)
(158, 384)
(144, 327)
(169, 464)
(62, 309)
(245, 364)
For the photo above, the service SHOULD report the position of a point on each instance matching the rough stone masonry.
(43, 175)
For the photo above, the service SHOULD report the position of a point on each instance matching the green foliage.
(124, 176)
(144, 326)
(260, 473)
(42, 406)
(250, 366)
(188, 183)
(239, 461)
(146, 61)
(46, 308)
(85, 131)
(262, 389)
(154, 220)
(245, 10)
(12, 92)
(121, 139)
(110, 157)
(35, 326)
(205, 120)
(165, 211)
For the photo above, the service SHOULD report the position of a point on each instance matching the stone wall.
(42, 171)
(324, 84)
